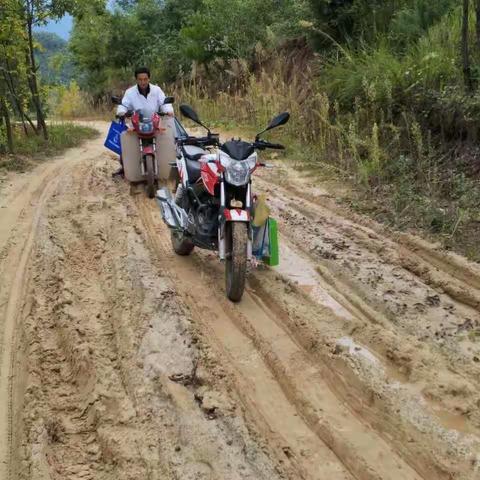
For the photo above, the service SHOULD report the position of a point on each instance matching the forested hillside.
(53, 59)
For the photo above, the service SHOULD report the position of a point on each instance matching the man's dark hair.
(140, 70)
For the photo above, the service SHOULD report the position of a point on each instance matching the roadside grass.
(397, 172)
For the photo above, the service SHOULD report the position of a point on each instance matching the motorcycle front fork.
(222, 247)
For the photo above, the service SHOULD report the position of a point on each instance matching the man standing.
(143, 96)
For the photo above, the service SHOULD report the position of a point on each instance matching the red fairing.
(156, 121)
(220, 167)
(135, 120)
(209, 173)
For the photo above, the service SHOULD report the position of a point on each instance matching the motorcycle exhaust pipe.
(174, 216)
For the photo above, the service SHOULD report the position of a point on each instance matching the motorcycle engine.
(206, 224)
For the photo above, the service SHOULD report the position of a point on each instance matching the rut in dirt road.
(299, 404)
(412, 307)
(22, 205)
(391, 288)
(101, 336)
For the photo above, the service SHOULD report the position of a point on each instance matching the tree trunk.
(10, 82)
(7, 76)
(13, 93)
(477, 22)
(467, 73)
(6, 116)
(3, 148)
(32, 81)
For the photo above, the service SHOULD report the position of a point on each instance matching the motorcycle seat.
(193, 170)
(192, 156)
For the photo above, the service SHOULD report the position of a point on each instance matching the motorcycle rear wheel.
(181, 244)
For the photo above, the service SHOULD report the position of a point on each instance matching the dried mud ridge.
(357, 358)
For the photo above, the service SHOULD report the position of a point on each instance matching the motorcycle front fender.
(230, 216)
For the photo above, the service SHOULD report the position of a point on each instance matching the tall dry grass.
(403, 172)
(71, 103)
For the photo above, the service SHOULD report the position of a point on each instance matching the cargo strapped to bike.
(265, 242)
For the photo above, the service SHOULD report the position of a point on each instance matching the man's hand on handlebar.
(127, 114)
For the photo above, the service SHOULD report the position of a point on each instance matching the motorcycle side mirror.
(189, 112)
(277, 121)
(169, 100)
(281, 119)
(116, 100)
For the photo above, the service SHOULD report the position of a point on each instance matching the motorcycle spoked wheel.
(236, 259)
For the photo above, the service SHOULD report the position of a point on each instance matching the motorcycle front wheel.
(150, 169)
(236, 259)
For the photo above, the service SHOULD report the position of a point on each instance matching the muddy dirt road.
(357, 358)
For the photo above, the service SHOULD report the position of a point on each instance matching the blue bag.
(112, 141)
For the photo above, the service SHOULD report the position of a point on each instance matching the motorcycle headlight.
(237, 172)
(146, 127)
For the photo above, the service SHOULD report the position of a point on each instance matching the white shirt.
(134, 100)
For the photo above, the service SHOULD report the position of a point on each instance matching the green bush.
(434, 62)
(372, 75)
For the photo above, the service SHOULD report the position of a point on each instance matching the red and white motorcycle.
(146, 126)
(212, 207)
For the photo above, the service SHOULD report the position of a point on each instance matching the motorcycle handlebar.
(122, 116)
(276, 146)
(129, 113)
(213, 140)
(209, 140)
(261, 145)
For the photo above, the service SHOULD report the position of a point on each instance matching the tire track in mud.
(106, 328)
(440, 444)
(446, 272)
(387, 285)
(432, 373)
(103, 337)
(261, 351)
(449, 263)
(17, 237)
